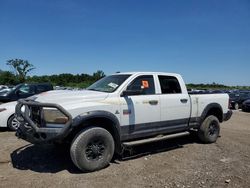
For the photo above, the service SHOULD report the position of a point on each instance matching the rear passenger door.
(175, 103)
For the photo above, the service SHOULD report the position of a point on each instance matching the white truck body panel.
(140, 111)
(200, 101)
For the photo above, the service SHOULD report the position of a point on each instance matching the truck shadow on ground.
(3, 129)
(158, 147)
(51, 159)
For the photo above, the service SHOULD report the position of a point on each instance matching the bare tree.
(21, 68)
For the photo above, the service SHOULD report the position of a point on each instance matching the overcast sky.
(205, 41)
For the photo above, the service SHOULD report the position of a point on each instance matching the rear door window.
(169, 84)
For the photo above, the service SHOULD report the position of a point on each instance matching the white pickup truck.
(119, 110)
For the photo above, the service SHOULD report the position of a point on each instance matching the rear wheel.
(209, 130)
(236, 106)
(92, 149)
(13, 124)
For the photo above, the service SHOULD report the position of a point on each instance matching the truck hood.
(68, 98)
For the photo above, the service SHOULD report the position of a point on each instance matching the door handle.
(184, 100)
(153, 102)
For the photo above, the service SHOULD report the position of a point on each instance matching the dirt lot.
(182, 162)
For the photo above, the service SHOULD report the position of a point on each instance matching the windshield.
(109, 84)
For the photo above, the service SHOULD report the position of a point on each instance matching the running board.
(155, 139)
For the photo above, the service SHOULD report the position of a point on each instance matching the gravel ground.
(182, 162)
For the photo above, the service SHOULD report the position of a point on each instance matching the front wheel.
(209, 130)
(13, 123)
(92, 149)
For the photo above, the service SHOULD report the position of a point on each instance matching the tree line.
(21, 69)
(215, 86)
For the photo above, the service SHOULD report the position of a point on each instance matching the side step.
(155, 139)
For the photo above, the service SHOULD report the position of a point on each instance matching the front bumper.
(227, 115)
(38, 132)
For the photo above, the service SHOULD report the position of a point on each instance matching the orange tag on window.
(145, 84)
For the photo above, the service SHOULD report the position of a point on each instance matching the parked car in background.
(23, 91)
(217, 91)
(7, 117)
(236, 99)
(246, 105)
(2, 91)
(3, 87)
(7, 114)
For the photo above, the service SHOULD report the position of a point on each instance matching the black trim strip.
(136, 131)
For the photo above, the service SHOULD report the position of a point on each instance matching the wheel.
(92, 149)
(236, 106)
(13, 123)
(209, 130)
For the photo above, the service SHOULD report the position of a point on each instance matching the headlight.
(54, 116)
(2, 109)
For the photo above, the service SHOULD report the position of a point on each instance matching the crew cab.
(118, 110)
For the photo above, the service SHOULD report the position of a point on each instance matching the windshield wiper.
(93, 89)
(99, 90)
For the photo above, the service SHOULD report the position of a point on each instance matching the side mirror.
(131, 92)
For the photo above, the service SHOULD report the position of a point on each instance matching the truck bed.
(200, 101)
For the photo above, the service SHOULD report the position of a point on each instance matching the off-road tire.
(92, 149)
(209, 130)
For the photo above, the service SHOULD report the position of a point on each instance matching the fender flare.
(209, 107)
(80, 119)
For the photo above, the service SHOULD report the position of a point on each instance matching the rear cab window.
(169, 84)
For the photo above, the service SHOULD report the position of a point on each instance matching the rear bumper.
(227, 115)
(37, 133)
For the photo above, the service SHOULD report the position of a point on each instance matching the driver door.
(139, 111)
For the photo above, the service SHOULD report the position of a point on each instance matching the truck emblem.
(117, 112)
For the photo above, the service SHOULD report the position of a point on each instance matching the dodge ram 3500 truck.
(119, 110)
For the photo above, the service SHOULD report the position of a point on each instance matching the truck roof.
(145, 72)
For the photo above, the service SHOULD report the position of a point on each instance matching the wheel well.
(215, 111)
(104, 123)
(9, 119)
